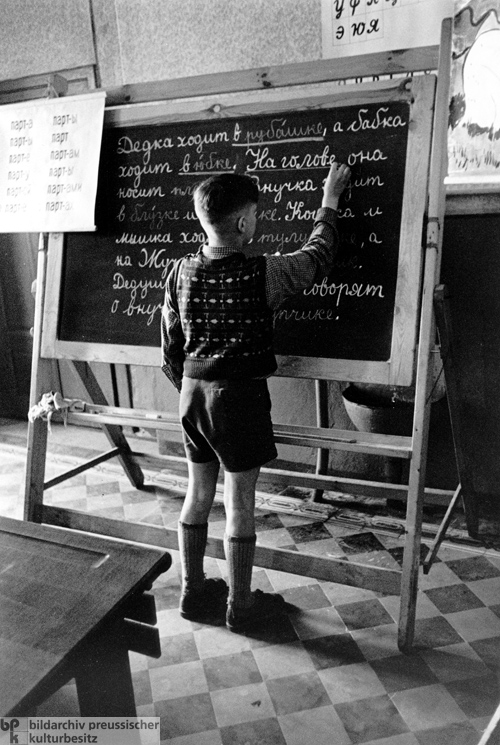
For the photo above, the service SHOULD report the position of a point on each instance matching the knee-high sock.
(240, 554)
(192, 545)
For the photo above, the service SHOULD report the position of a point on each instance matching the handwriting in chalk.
(145, 208)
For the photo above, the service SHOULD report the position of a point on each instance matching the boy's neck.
(222, 241)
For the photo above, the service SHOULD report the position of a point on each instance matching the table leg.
(104, 680)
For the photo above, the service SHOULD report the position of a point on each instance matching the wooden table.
(72, 605)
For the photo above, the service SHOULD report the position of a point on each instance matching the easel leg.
(411, 558)
(418, 464)
(37, 430)
(112, 431)
(443, 321)
(321, 391)
(427, 333)
(35, 470)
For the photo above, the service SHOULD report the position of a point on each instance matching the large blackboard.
(112, 282)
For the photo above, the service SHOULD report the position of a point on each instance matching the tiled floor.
(329, 672)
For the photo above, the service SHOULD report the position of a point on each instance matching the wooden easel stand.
(412, 448)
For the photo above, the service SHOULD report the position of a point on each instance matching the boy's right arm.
(335, 183)
(288, 274)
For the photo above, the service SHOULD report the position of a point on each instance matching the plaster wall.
(176, 38)
(39, 36)
(134, 41)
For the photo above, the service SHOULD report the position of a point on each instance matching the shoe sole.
(219, 602)
(256, 622)
(202, 615)
(213, 612)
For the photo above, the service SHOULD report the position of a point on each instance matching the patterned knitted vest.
(225, 319)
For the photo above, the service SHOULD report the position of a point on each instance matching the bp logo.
(13, 730)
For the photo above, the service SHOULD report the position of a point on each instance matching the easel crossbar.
(376, 578)
(81, 468)
(339, 439)
(337, 484)
(298, 435)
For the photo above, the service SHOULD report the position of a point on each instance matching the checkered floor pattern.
(329, 672)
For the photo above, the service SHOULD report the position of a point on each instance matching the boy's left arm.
(172, 337)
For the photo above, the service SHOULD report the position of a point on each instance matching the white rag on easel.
(52, 402)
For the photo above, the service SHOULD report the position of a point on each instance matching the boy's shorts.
(228, 420)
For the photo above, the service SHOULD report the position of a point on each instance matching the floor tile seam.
(261, 667)
(454, 588)
(201, 666)
(416, 689)
(495, 581)
(448, 612)
(271, 704)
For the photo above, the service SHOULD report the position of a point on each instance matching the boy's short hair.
(224, 194)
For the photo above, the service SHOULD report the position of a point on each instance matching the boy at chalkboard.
(217, 350)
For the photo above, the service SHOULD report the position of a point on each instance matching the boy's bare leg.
(200, 492)
(239, 501)
(244, 607)
(199, 595)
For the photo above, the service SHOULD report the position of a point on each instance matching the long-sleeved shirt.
(286, 275)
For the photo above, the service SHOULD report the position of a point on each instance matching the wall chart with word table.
(49, 153)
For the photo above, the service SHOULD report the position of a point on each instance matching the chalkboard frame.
(419, 92)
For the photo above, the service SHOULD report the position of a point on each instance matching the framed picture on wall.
(474, 124)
